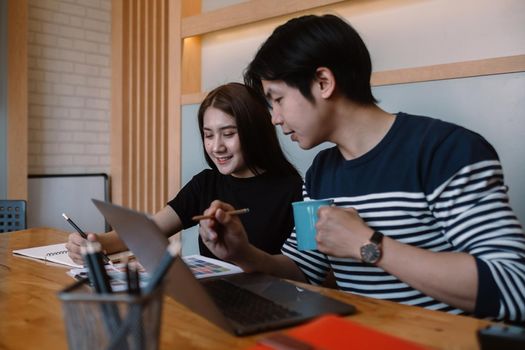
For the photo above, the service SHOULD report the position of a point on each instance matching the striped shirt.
(432, 185)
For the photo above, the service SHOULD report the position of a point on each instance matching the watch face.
(370, 253)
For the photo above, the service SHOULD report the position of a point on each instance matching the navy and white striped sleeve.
(473, 208)
(314, 264)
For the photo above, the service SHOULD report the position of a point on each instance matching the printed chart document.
(117, 276)
(201, 266)
(56, 253)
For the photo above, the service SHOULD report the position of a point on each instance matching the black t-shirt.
(269, 198)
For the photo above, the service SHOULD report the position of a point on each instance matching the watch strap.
(377, 237)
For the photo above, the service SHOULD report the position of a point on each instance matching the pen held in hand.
(78, 229)
(231, 212)
(83, 234)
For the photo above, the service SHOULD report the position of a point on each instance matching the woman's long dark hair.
(259, 143)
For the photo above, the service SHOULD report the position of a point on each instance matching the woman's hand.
(74, 242)
(224, 235)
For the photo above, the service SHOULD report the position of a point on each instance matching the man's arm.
(449, 277)
(487, 273)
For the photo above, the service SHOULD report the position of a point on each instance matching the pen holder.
(111, 321)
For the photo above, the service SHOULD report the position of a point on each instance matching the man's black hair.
(297, 48)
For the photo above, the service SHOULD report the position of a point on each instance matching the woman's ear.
(325, 82)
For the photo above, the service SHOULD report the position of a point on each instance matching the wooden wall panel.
(245, 13)
(17, 99)
(191, 52)
(156, 68)
(173, 133)
(474, 68)
(143, 74)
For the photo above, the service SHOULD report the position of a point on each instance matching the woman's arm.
(169, 223)
(166, 219)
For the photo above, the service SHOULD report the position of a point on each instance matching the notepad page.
(56, 253)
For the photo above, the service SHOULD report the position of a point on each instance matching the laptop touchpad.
(270, 287)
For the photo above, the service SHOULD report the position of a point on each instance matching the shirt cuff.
(488, 299)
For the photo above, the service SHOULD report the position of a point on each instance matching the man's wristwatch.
(371, 251)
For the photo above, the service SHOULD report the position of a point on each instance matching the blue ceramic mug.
(305, 216)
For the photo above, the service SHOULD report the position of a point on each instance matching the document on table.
(56, 253)
(200, 266)
(203, 267)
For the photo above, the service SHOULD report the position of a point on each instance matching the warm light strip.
(244, 13)
(465, 69)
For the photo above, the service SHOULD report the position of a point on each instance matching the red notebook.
(333, 332)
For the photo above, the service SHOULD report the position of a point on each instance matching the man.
(421, 211)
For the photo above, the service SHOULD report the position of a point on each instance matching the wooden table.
(31, 314)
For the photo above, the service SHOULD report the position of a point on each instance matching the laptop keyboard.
(244, 306)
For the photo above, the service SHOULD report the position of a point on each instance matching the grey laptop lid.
(147, 242)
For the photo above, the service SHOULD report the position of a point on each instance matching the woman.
(248, 170)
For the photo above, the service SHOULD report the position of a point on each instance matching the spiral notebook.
(56, 253)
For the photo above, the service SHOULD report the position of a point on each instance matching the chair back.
(12, 215)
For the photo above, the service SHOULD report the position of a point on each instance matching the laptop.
(242, 304)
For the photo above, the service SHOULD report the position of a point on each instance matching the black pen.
(94, 256)
(101, 283)
(78, 229)
(135, 313)
(83, 234)
(172, 251)
(132, 275)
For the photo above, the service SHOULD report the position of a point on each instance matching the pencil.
(78, 229)
(106, 259)
(231, 212)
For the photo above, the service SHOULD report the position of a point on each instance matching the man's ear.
(325, 82)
